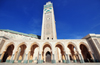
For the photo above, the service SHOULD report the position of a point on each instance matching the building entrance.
(48, 57)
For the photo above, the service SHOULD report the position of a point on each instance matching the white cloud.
(78, 37)
(95, 26)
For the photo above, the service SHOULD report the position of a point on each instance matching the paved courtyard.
(50, 64)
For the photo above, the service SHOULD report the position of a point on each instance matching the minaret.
(48, 23)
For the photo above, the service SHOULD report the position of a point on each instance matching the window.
(48, 38)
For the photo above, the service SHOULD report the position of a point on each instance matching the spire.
(48, 23)
(48, 3)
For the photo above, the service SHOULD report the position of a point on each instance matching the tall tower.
(48, 23)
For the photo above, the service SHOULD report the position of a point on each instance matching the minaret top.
(48, 3)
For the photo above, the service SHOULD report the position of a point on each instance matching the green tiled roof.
(15, 32)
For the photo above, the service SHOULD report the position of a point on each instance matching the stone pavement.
(50, 64)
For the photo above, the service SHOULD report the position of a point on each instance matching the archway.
(34, 53)
(86, 55)
(21, 53)
(8, 53)
(46, 53)
(74, 54)
(60, 53)
(48, 56)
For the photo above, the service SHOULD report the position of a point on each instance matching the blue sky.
(74, 18)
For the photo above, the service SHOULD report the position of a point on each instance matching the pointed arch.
(8, 53)
(60, 48)
(10, 43)
(34, 44)
(87, 46)
(23, 43)
(46, 47)
(73, 52)
(34, 50)
(85, 53)
(48, 44)
(73, 45)
(59, 43)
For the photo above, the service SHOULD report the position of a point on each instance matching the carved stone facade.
(18, 47)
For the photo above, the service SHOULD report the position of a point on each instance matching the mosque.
(16, 47)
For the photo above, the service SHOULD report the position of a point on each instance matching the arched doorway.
(60, 55)
(8, 53)
(33, 53)
(86, 55)
(48, 56)
(74, 55)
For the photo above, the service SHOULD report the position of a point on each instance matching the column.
(18, 58)
(53, 58)
(31, 57)
(53, 54)
(67, 58)
(26, 56)
(63, 57)
(44, 57)
(81, 58)
(12, 58)
(67, 52)
(39, 58)
(92, 56)
(40, 55)
(17, 55)
(13, 55)
(1, 56)
(80, 55)
(74, 58)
